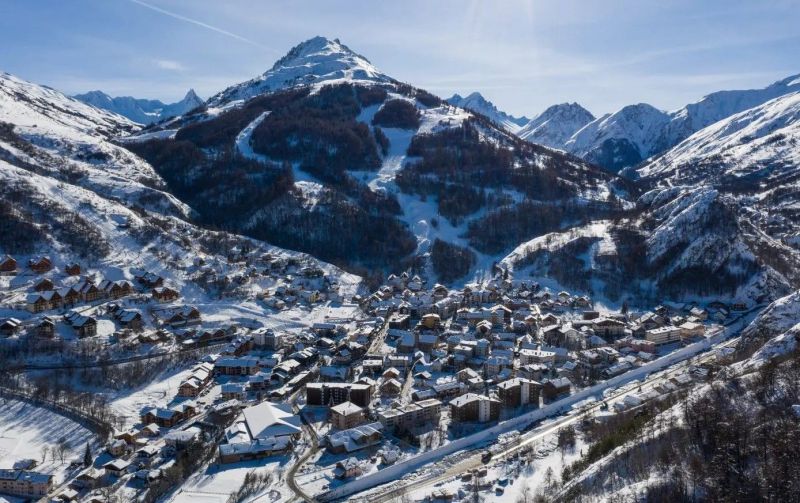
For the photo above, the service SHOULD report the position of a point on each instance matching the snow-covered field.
(25, 430)
(215, 484)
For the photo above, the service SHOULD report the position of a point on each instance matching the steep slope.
(636, 132)
(680, 242)
(365, 171)
(751, 158)
(71, 141)
(70, 193)
(315, 61)
(776, 319)
(141, 111)
(556, 125)
(475, 102)
(717, 106)
(757, 144)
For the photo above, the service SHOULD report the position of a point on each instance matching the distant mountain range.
(141, 111)
(632, 134)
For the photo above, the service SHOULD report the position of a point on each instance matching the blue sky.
(523, 55)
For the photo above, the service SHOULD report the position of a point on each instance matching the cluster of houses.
(482, 353)
(432, 359)
(61, 295)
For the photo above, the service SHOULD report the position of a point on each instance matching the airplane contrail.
(201, 24)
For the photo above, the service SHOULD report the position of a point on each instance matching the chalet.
(8, 265)
(182, 438)
(699, 313)
(46, 328)
(355, 438)
(73, 269)
(84, 326)
(89, 291)
(347, 468)
(346, 415)
(117, 467)
(70, 296)
(165, 294)
(247, 365)
(115, 289)
(130, 319)
(399, 321)
(150, 280)
(43, 285)
(691, 329)
(233, 390)
(40, 265)
(196, 382)
(147, 454)
(117, 448)
(53, 298)
(180, 316)
(35, 303)
(10, 326)
(534, 371)
(608, 327)
(167, 418)
(90, 479)
(151, 430)
(391, 387)
(391, 373)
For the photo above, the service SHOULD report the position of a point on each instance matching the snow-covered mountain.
(758, 144)
(621, 139)
(719, 105)
(637, 132)
(141, 111)
(477, 103)
(720, 219)
(369, 183)
(556, 125)
(72, 141)
(71, 193)
(315, 61)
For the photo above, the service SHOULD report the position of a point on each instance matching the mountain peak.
(318, 60)
(477, 103)
(192, 96)
(556, 124)
(317, 46)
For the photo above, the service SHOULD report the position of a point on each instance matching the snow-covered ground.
(25, 430)
(218, 482)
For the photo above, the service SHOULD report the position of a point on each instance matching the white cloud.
(168, 64)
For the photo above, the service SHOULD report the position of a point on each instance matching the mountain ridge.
(141, 111)
(477, 103)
